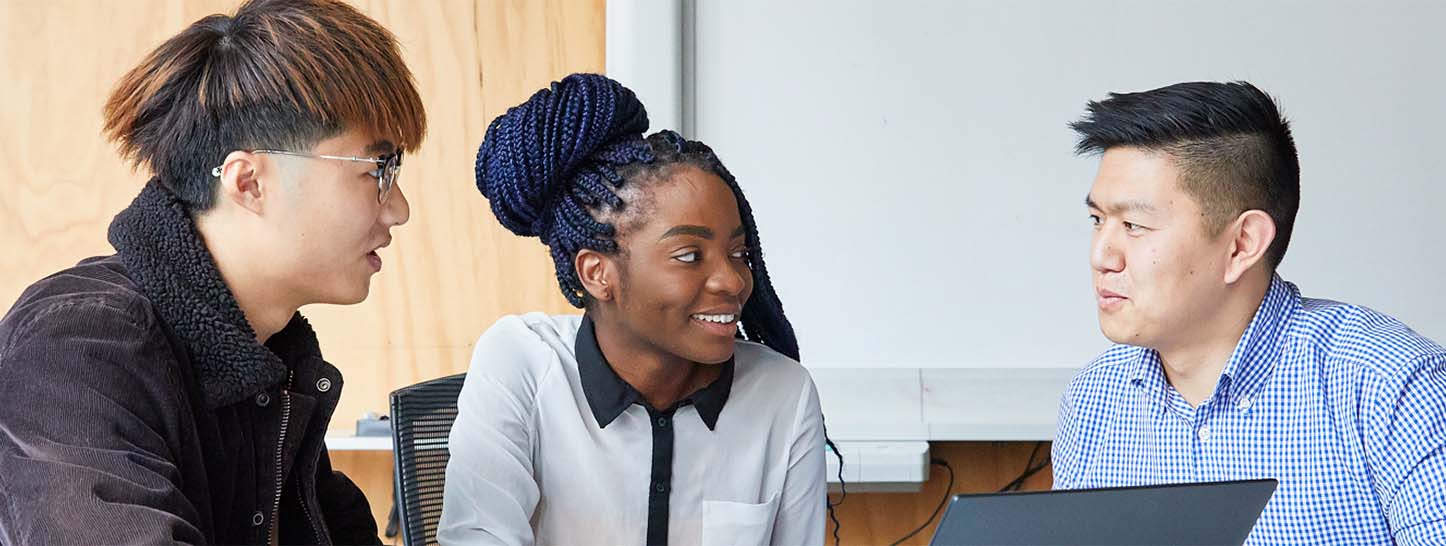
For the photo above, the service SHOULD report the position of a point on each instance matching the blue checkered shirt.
(1346, 407)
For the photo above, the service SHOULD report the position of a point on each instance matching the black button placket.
(661, 484)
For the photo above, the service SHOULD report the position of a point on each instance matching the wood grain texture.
(64, 182)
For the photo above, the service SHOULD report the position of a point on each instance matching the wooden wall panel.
(63, 183)
(450, 273)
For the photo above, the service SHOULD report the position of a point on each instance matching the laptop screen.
(1218, 513)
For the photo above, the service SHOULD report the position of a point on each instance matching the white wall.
(912, 173)
(913, 177)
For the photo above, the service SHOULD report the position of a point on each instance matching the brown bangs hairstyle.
(279, 74)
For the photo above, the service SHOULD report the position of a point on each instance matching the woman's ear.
(598, 274)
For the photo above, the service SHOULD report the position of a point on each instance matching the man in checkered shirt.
(1221, 370)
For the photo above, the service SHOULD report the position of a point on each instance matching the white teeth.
(720, 319)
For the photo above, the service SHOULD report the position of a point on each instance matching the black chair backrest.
(422, 417)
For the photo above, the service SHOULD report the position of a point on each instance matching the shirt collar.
(1259, 347)
(608, 395)
(1149, 375)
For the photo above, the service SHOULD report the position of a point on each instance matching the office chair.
(422, 417)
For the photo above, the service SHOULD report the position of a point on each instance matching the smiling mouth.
(716, 319)
(723, 325)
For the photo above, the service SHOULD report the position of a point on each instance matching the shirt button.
(263, 399)
(1244, 403)
(257, 519)
(662, 421)
(1204, 432)
(660, 487)
(323, 384)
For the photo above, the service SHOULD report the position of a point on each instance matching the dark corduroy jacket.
(137, 407)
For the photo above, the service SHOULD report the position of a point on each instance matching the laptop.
(1210, 513)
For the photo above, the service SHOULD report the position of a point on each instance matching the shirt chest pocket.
(727, 523)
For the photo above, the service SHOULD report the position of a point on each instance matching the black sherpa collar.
(157, 241)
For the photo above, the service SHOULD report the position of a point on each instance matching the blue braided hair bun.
(560, 141)
(548, 161)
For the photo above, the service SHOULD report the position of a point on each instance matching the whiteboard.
(913, 179)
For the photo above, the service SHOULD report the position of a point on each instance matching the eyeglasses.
(388, 166)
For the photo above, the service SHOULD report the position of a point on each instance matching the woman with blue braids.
(673, 411)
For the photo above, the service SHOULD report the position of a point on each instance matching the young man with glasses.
(171, 392)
